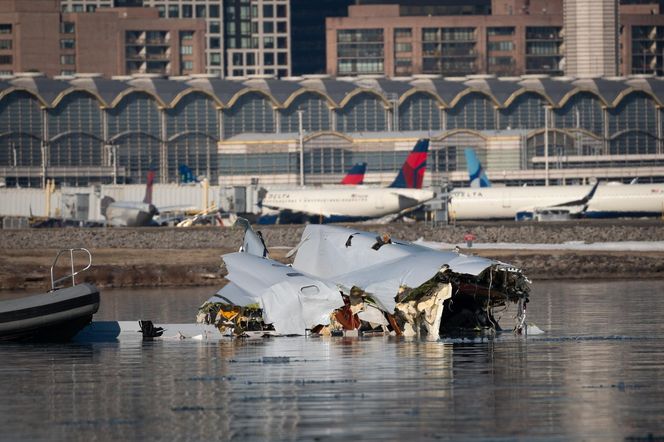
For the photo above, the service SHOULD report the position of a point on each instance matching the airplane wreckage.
(346, 281)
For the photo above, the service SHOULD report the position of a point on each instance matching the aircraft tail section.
(186, 174)
(476, 172)
(105, 202)
(411, 174)
(355, 175)
(148, 187)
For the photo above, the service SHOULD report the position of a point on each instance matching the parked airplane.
(186, 174)
(349, 203)
(131, 213)
(521, 203)
(355, 175)
(267, 215)
(476, 172)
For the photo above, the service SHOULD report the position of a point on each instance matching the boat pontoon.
(56, 315)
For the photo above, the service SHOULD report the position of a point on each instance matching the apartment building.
(591, 37)
(35, 36)
(242, 37)
(29, 36)
(518, 37)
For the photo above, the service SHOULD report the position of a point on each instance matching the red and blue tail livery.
(148, 186)
(355, 175)
(411, 174)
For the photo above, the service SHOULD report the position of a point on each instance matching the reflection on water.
(596, 374)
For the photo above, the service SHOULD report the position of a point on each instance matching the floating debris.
(345, 282)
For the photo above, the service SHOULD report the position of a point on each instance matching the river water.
(596, 374)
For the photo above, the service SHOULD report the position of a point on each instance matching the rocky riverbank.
(289, 235)
(175, 257)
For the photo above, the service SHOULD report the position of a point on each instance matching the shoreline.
(116, 268)
(167, 257)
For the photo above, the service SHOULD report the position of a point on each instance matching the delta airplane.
(476, 173)
(521, 203)
(355, 175)
(131, 213)
(350, 203)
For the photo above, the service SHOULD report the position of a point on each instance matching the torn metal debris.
(345, 280)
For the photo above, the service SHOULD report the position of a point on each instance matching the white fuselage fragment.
(333, 263)
(130, 213)
(291, 301)
(322, 253)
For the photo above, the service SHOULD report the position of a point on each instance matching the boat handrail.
(74, 272)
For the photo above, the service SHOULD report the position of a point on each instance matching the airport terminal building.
(87, 129)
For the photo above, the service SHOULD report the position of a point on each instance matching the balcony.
(135, 41)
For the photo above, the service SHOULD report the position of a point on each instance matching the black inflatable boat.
(53, 316)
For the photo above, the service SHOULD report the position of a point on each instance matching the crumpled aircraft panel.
(382, 281)
(328, 251)
(346, 279)
(290, 300)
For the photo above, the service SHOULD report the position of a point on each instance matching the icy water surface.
(597, 374)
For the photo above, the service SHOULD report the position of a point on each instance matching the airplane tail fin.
(476, 172)
(148, 187)
(355, 175)
(411, 174)
(253, 242)
(105, 202)
(186, 174)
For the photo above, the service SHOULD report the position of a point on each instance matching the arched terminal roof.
(279, 90)
(47, 90)
(338, 91)
(164, 90)
(502, 90)
(4, 85)
(223, 90)
(611, 90)
(104, 88)
(556, 90)
(446, 91)
(335, 89)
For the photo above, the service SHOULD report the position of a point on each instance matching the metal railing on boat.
(74, 272)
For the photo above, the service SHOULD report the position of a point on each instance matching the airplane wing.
(568, 209)
(324, 213)
(392, 216)
(405, 200)
(178, 208)
(583, 201)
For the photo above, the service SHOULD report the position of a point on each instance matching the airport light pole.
(578, 128)
(112, 150)
(15, 161)
(301, 141)
(546, 145)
